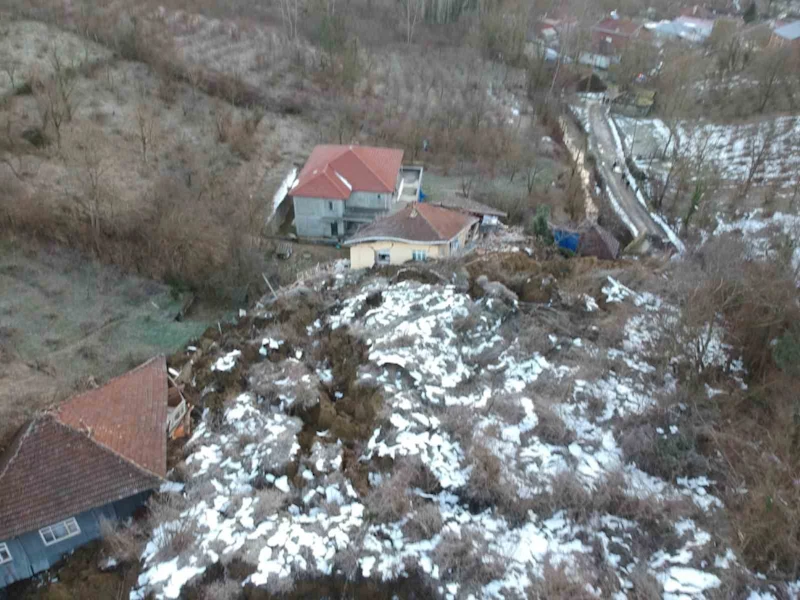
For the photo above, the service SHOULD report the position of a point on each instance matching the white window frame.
(70, 526)
(419, 255)
(454, 245)
(4, 550)
(378, 259)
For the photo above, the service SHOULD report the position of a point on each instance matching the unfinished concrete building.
(343, 187)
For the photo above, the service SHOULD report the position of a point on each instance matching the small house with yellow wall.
(417, 232)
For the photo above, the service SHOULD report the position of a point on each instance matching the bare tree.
(795, 193)
(51, 109)
(758, 147)
(413, 10)
(290, 12)
(477, 102)
(467, 174)
(768, 72)
(65, 81)
(92, 200)
(145, 124)
(531, 174)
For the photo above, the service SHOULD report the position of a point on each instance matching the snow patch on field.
(728, 146)
(759, 233)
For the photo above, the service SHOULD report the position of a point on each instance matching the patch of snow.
(227, 362)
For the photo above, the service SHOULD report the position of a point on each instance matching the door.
(334, 229)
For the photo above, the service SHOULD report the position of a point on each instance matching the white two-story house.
(342, 187)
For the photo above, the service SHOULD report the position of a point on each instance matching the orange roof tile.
(335, 171)
(418, 222)
(127, 415)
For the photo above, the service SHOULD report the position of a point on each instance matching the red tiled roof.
(98, 447)
(53, 472)
(128, 415)
(617, 26)
(418, 222)
(334, 171)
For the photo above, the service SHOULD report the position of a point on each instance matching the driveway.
(602, 142)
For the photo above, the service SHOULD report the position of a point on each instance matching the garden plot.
(480, 478)
(66, 321)
(730, 147)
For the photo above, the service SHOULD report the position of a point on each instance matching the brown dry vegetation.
(748, 438)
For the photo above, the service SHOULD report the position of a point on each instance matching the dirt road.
(602, 142)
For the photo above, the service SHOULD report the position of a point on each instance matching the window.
(454, 245)
(330, 206)
(383, 257)
(59, 531)
(419, 255)
(5, 555)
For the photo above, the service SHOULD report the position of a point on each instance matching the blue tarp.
(422, 196)
(567, 239)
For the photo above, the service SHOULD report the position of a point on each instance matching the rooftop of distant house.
(617, 25)
(334, 172)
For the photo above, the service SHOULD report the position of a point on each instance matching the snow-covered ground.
(730, 147)
(255, 495)
(762, 234)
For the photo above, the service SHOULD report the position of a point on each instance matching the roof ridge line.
(102, 446)
(428, 221)
(363, 162)
(19, 443)
(330, 178)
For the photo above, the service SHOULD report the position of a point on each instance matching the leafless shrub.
(567, 493)
(403, 341)
(487, 487)
(390, 501)
(666, 455)
(508, 408)
(173, 533)
(551, 428)
(346, 560)
(122, 542)
(465, 557)
(270, 501)
(424, 524)
(459, 422)
(485, 483)
(653, 514)
(245, 440)
(557, 583)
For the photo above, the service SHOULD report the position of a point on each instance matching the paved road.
(602, 141)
